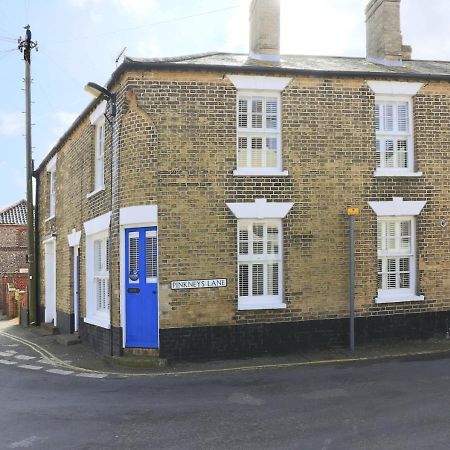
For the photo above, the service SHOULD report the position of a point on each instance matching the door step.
(46, 329)
(150, 352)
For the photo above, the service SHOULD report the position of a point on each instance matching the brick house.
(205, 215)
(13, 251)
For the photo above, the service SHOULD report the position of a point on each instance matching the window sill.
(50, 218)
(398, 298)
(259, 173)
(98, 321)
(396, 173)
(247, 305)
(91, 194)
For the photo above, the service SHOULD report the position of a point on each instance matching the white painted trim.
(49, 317)
(51, 165)
(259, 304)
(138, 214)
(256, 82)
(395, 172)
(98, 321)
(259, 172)
(394, 87)
(397, 207)
(99, 189)
(385, 62)
(264, 57)
(74, 238)
(385, 298)
(97, 225)
(260, 209)
(76, 289)
(98, 112)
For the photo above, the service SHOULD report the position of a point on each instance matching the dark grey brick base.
(100, 338)
(65, 322)
(285, 337)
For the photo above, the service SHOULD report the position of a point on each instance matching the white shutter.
(257, 113)
(403, 119)
(388, 117)
(272, 113)
(243, 113)
(377, 117)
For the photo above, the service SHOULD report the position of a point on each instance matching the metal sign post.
(352, 213)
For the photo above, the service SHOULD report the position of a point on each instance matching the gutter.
(135, 66)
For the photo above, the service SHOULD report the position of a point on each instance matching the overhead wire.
(162, 22)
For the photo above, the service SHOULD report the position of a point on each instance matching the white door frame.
(76, 289)
(50, 280)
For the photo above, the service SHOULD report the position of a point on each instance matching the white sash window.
(99, 154)
(260, 263)
(259, 138)
(101, 273)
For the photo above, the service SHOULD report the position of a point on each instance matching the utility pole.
(25, 46)
(352, 213)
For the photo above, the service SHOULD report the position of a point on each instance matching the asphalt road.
(382, 405)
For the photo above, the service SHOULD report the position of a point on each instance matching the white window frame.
(51, 169)
(249, 87)
(264, 301)
(97, 119)
(395, 93)
(99, 169)
(397, 211)
(97, 230)
(266, 212)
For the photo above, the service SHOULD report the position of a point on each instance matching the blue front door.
(141, 272)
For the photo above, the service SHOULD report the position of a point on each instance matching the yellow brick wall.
(178, 150)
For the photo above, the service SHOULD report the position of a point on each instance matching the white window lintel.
(100, 223)
(51, 165)
(260, 209)
(394, 87)
(259, 83)
(133, 215)
(397, 207)
(74, 238)
(98, 112)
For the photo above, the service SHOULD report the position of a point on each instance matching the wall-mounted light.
(99, 91)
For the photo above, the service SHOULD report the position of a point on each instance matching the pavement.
(37, 349)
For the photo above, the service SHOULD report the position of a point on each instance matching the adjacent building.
(198, 206)
(13, 254)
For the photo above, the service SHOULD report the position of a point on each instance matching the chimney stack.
(265, 30)
(384, 38)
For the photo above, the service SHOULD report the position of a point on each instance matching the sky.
(79, 41)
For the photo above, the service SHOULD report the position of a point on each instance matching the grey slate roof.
(15, 214)
(304, 63)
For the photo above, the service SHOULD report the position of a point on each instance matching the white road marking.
(91, 375)
(24, 357)
(6, 353)
(25, 443)
(29, 367)
(7, 362)
(60, 372)
(44, 361)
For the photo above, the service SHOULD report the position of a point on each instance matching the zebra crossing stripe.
(29, 367)
(7, 362)
(91, 375)
(24, 357)
(60, 371)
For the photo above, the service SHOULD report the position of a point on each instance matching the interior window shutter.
(243, 113)
(257, 113)
(403, 119)
(272, 113)
(388, 117)
(377, 117)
